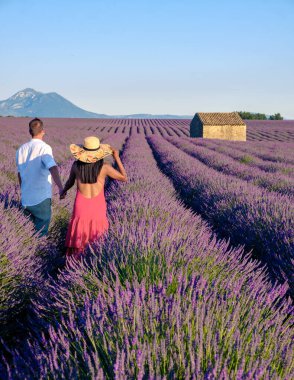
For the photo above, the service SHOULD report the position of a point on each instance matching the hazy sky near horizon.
(152, 56)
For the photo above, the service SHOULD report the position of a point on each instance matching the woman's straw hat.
(91, 151)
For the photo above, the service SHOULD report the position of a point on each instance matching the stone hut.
(218, 125)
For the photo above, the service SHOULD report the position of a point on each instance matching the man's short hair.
(35, 126)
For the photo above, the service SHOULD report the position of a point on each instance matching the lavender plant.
(21, 265)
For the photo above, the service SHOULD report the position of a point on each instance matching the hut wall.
(196, 128)
(224, 132)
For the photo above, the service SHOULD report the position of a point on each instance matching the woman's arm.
(70, 182)
(120, 174)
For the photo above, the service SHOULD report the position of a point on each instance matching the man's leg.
(41, 215)
(28, 213)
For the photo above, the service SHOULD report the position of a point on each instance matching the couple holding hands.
(36, 166)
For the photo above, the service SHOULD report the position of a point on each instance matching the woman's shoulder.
(105, 168)
(106, 165)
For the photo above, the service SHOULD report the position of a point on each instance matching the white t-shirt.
(33, 160)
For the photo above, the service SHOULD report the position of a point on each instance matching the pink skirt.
(88, 222)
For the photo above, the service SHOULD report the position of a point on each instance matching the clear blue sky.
(153, 56)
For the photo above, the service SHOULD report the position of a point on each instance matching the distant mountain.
(29, 102)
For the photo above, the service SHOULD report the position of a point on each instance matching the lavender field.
(195, 277)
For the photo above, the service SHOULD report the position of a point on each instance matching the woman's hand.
(119, 174)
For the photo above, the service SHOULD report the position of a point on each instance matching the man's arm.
(18, 173)
(50, 164)
(55, 175)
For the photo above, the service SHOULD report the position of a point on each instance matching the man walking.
(36, 165)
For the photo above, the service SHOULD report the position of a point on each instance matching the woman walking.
(89, 219)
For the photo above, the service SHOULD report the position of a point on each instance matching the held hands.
(62, 194)
(18, 196)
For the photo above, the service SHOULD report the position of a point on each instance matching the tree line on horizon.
(259, 116)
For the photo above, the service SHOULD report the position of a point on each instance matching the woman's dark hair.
(88, 173)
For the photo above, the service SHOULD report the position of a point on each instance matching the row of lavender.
(159, 298)
(271, 151)
(279, 182)
(253, 155)
(270, 130)
(247, 214)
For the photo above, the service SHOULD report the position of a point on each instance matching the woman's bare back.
(90, 190)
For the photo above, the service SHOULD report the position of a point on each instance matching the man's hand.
(19, 179)
(18, 196)
(62, 194)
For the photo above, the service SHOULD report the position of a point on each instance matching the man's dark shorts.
(40, 214)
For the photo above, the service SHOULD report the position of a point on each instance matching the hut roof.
(220, 118)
